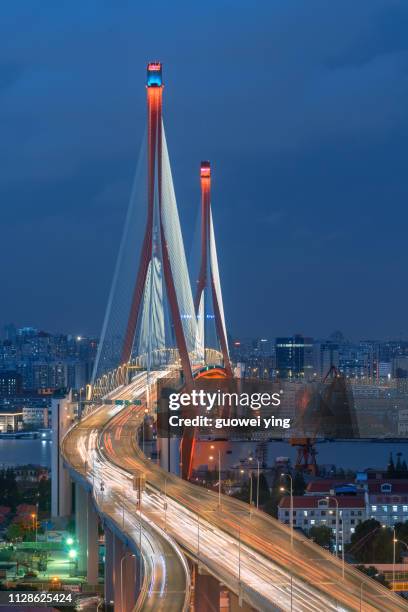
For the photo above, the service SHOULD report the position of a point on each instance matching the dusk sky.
(302, 108)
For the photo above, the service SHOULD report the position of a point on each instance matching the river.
(347, 455)
(23, 452)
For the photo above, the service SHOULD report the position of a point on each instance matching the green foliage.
(372, 572)
(245, 492)
(15, 531)
(372, 543)
(9, 494)
(44, 496)
(399, 469)
(322, 535)
(271, 506)
(264, 493)
(299, 484)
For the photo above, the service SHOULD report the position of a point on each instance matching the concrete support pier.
(92, 541)
(235, 604)
(61, 487)
(206, 592)
(81, 528)
(109, 565)
(122, 573)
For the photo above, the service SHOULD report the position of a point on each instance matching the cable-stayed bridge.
(165, 537)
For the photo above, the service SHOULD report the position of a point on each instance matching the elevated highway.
(245, 549)
(165, 584)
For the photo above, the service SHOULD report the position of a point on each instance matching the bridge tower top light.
(205, 170)
(154, 75)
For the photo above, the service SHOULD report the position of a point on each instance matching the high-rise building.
(10, 384)
(294, 357)
(326, 355)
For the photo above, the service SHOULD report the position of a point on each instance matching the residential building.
(10, 383)
(310, 511)
(386, 500)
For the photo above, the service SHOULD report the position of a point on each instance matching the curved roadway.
(166, 579)
(248, 550)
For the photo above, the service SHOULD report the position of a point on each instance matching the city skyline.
(325, 167)
(205, 194)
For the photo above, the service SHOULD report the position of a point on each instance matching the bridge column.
(61, 487)
(125, 571)
(109, 567)
(129, 571)
(92, 541)
(206, 592)
(118, 552)
(236, 605)
(81, 527)
(170, 454)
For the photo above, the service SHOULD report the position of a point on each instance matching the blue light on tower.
(154, 74)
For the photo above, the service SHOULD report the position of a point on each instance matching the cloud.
(300, 106)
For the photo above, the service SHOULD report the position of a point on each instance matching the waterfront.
(23, 452)
(347, 455)
(358, 455)
(355, 456)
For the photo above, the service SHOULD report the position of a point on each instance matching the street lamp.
(257, 485)
(394, 541)
(198, 536)
(250, 493)
(239, 557)
(211, 457)
(146, 410)
(72, 555)
(291, 504)
(219, 478)
(328, 498)
(35, 525)
(165, 504)
(121, 578)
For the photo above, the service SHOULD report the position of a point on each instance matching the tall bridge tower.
(150, 315)
(155, 264)
(208, 299)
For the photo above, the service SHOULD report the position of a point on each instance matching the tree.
(391, 467)
(371, 543)
(15, 531)
(264, 493)
(372, 572)
(44, 495)
(9, 494)
(322, 535)
(271, 506)
(398, 466)
(299, 484)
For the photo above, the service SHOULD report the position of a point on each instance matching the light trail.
(269, 574)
